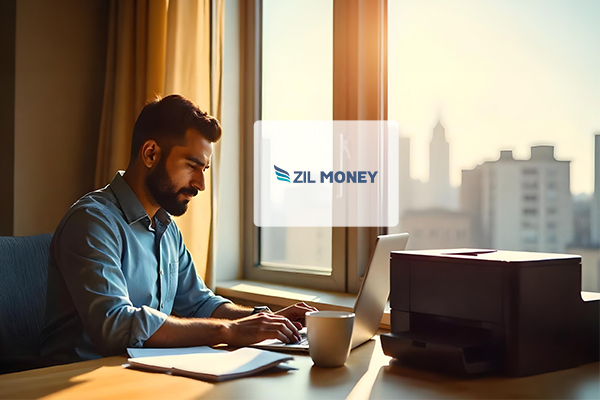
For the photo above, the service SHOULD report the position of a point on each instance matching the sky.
(498, 74)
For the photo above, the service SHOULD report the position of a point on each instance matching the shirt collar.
(130, 204)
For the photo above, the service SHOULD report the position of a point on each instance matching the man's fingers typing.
(287, 327)
(275, 334)
(283, 328)
(258, 327)
(282, 319)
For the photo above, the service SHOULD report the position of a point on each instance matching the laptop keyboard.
(303, 339)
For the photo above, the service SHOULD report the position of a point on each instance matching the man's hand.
(258, 327)
(185, 332)
(295, 313)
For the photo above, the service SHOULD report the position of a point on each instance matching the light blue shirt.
(113, 279)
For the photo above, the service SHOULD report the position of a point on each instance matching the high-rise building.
(436, 228)
(471, 203)
(404, 175)
(440, 191)
(404, 181)
(595, 208)
(521, 204)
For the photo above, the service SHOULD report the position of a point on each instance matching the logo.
(327, 177)
(282, 174)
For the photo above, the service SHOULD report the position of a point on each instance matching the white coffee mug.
(329, 337)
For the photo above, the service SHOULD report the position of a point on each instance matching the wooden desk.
(367, 374)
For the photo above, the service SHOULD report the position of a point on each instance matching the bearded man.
(120, 275)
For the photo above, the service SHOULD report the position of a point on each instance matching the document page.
(213, 366)
(154, 352)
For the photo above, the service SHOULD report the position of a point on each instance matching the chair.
(23, 276)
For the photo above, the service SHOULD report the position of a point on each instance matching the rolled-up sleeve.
(88, 255)
(193, 298)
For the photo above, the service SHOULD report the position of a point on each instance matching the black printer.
(475, 311)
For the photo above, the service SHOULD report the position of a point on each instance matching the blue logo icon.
(282, 174)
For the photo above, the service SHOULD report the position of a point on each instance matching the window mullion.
(360, 93)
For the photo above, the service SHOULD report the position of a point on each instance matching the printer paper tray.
(457, 353)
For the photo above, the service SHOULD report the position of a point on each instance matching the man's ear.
(150, 153)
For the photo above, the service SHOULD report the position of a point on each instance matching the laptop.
(371, 299)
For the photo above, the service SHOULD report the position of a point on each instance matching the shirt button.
(161, 272)
(162, 305)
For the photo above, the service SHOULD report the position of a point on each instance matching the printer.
(474, 311)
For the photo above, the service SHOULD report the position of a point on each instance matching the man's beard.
(164, 191)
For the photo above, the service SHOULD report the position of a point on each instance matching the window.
(464, 80)
(295, 87)
(470, 79)
(529, 224)
(296, 78)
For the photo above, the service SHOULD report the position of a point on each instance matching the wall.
(8, 11)
(59, 83)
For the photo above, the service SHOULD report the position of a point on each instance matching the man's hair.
(166, 120)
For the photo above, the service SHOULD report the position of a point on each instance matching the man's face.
(179, 176)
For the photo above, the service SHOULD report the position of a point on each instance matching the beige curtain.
(160, 47)
(135, 71)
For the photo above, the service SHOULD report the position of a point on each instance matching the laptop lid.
(372, 296)
(375, 288)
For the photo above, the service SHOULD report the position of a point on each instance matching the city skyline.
(408, 151)
(517, 154)
(502, 75)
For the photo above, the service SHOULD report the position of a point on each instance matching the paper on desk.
(176, 351)
(213, 366)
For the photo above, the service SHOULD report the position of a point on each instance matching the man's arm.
(193, 298)
(231, 324)
(87, 253)
(294, 313)
(231, 311)
(184, 332)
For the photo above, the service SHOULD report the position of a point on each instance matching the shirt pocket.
(172, 279)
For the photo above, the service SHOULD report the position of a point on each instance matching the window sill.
(283, 296)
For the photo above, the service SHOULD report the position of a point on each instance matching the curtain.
(135, 71)
(160, 47)
(191, 74)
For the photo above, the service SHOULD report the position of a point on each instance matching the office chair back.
(23, 278)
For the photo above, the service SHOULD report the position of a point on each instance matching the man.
(118, 266)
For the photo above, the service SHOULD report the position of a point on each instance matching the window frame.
(356, 70)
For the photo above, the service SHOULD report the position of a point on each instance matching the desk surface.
(367, 374)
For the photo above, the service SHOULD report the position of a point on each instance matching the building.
(590, 266)
(405, 198)
(586, 241)
(439, 169)
(582, 220)
(471, 204)
(405, 183)
(437, 228)
(437, 191)
(521, 204)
